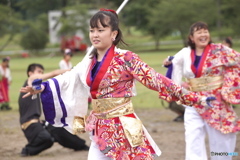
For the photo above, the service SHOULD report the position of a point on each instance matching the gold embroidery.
(205, 83)
(112, 107)
(118, 107)
(133, 130)
(78, 125)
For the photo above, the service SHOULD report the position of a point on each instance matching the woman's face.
(201, 38)
(102, 37)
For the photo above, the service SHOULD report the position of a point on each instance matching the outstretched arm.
(45, 76)
(30, 90)
(166, 88)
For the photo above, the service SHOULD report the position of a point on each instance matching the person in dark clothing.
(66, 139)
(41, 136)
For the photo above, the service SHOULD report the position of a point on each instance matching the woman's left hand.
(206, 101)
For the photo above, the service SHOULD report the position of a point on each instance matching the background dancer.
(211, 70)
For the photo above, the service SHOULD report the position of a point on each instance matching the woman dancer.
(211, 70)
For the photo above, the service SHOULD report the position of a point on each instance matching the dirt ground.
(167, 134)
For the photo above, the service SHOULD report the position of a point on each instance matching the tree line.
(157, 18)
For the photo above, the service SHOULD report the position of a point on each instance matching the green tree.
(34, 39)
(42, 22)
(32, 9)
(175, 15)
(135, 14)
(75, 19)
(230, 17)
(10, 24)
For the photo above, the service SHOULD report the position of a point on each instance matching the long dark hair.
(195, 27)
(107, 18)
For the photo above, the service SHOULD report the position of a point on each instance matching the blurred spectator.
(228, 42)
(65, 63)
(5, 81)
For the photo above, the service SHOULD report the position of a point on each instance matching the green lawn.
(145, 97)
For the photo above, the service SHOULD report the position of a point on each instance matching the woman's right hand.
(185, 85)
(34, 89)
(166, 62)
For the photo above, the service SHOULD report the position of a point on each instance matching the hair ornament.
(109, 10)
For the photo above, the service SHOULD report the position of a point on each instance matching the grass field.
(146, 98)
(141, 44)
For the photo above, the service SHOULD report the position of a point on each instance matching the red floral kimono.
(114, 78)
(66, 95)
(217, 60)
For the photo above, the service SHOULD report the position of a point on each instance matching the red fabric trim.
(89, 79)
(194, 70)
(202, 61)
(130, 115)
(102, 71)
(198, 71)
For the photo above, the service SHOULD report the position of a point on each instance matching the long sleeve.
(178, 65)
(167, 89)
(231, 82)
(64, 97)
(169, 71)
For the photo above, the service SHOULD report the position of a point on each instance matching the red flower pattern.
(127, 66)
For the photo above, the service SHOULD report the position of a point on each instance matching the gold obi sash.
(112, 107)
(118, 107)
(205, 83)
